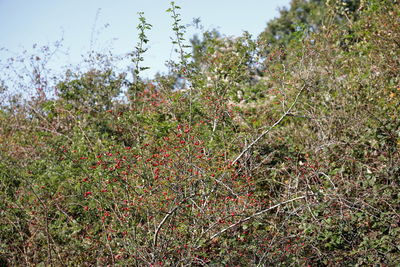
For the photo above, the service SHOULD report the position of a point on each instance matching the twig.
(165, 219)
(327, 176)
(270, 128)
(252, 216)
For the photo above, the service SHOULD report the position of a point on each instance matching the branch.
(270, 128)
(254, 215)
(165, 219)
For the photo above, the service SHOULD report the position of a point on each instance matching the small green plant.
(137, 55)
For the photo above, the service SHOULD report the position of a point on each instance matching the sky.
(103, 25)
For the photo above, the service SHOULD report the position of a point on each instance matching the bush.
(269, 154)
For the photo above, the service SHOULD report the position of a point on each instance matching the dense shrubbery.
(278, 152)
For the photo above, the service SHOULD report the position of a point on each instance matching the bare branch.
(270, 128)
(252, 216)
(172, 211)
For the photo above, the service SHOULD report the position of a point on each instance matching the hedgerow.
(276, 151)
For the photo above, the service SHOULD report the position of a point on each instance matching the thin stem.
(270, 128)
(251, 217)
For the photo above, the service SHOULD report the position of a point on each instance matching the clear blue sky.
(25, 22)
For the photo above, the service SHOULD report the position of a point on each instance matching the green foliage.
(137, 56)
(94, 90)
(284, 158)
(307, 16)
(301, 14)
